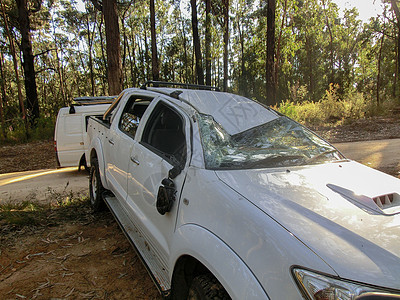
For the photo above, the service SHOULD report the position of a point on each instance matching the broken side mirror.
(165, 196)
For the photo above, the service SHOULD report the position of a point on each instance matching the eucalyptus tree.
(196, 43)
(28, 58)
(113, 49)
(270, 62)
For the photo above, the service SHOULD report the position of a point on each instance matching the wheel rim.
(94, 186)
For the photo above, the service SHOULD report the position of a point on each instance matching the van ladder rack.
(183, 85)
(94, 100)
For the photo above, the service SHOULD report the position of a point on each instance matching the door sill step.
(157, 272)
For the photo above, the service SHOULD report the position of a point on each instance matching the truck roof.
(235, 113)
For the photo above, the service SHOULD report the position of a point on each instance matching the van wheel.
(207, 287)
(96, 189)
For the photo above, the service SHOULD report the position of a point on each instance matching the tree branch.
(43, 52)
(97, 4)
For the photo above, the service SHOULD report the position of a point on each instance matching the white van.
(70, 139)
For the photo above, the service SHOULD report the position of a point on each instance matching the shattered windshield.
(278, 143)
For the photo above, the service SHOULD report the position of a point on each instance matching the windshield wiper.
(314, 158)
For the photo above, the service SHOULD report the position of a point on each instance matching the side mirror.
(165, 196)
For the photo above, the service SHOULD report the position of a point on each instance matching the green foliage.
(16, 130)
(21, 214)
(331, 109)
(44, 129)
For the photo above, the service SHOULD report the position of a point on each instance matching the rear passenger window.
(132, 114)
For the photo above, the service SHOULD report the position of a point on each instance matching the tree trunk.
(146, 56)
(271, 97)
(2, 97)
(278, 47)
(15, 62)
(196, 44)
(378, 77)
(226, 42)
(154, 56)
(113, 50)
(242, 79)
(59, 70)
(90, 36)
(103, 57)
(332, 75)
(208, 42)
(28, 61)
(186, 61)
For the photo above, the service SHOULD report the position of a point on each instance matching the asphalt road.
(40, 184)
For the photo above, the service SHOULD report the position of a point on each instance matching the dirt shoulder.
(69, 253)
(25, 157)
(377, 128)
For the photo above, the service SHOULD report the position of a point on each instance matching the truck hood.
(346, 213)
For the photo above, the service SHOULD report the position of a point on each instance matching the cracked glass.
(278, 143)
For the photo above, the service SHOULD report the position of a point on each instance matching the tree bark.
(15, 62)
(28, 61)
(154, 56)
(113, 50)
(2, 97)
(208, 42)
(271, 93)
(90, 36)
(378, 77)
(332, 75)
(103, 57)
(278, 46)
(226, 42)
(196, 44)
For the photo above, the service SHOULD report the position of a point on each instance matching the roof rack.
(94, 100)
(183, 85)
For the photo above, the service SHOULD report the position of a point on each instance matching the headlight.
(320, 287)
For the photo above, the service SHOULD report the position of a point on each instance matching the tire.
(96, 188)
(207, 287)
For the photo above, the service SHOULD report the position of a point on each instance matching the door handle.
(111, 142)
(134, 160)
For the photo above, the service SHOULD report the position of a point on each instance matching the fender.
(219, 259)
(96, 146)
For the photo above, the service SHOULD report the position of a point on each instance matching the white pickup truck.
(223, 198)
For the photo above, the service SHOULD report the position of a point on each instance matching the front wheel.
(207, 287)
(96, 188)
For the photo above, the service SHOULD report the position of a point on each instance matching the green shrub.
(331, 109)
(16, 130)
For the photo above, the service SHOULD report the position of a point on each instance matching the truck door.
(120, 141)
(162, 147)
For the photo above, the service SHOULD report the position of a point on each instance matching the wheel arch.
(201, 252)
(96, 152)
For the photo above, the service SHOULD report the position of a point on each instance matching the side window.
(164, 133)
(132, 114)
